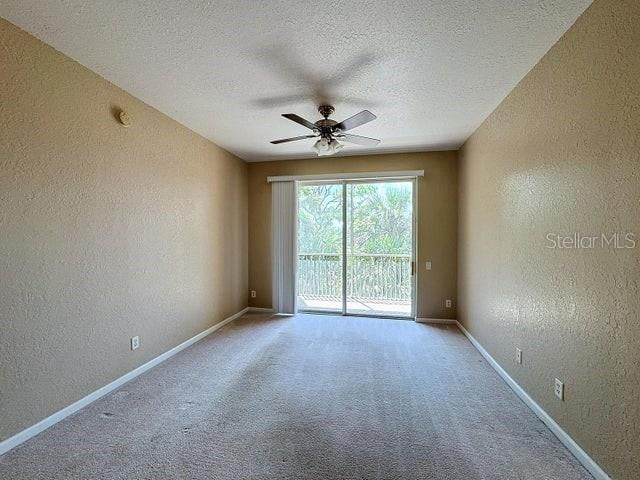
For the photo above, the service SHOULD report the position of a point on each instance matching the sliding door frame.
(344, 247)
(414, 239)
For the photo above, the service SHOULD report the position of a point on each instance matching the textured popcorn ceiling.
(431, 70)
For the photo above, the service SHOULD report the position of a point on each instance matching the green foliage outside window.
(378, 218)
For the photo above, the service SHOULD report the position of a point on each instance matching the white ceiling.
(432, 70)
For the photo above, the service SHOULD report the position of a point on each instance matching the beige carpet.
(306, 397)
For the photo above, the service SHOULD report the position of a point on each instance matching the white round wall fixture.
(124, 118)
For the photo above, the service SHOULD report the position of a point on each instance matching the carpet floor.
(306, 397)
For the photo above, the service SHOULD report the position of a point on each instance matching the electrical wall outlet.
(559, 389)
(447, 303)
(518, 356)
(253, 294)
(427, 265)
(135, 342)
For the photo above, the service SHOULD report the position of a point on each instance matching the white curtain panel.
(284, 246)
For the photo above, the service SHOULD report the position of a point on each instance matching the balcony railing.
(378, 277)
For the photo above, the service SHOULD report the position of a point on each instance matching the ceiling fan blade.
(292, 139)
(360, 140)
(300, 120)
(355, 121)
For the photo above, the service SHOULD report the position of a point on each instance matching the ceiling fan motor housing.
(325, 127)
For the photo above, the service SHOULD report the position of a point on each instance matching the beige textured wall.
(561, 155)
(105, 232)
(437, 220)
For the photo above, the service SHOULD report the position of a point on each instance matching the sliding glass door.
(379, 248)
(320, 247)
(356, 247)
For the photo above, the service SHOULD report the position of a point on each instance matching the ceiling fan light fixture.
(322, 147)
(335, 145)
(325, 146)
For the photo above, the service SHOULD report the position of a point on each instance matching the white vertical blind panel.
(284, 246)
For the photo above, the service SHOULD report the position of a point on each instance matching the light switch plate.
(427, 265)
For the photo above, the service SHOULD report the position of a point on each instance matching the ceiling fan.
(329, 131)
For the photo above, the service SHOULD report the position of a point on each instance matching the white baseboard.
(582, 456)
(439, 321)
(260, 309)
(42, 425)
